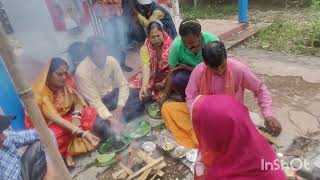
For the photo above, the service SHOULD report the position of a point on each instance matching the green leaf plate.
(105, 159)
(153, 110)
(137, 129)
(106, 147)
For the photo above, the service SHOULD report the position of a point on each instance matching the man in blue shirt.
(29, 166)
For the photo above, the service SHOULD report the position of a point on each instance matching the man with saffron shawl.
(217, 75)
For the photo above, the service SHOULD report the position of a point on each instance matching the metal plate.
(192, 155)
(148, 146)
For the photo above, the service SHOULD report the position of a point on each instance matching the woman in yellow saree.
(76, 126)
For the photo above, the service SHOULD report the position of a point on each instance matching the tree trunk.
(25, 92)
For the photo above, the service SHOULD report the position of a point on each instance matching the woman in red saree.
(230, 147)
(65, 112)
(154, 57)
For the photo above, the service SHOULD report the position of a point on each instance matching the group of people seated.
(126, 21)
(95, 100)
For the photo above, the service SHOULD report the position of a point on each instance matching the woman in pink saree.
(230, 147)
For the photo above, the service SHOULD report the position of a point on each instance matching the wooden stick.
(165, 139)
(145, 157)
(118, 174)
(148, 166)
(25, 92)
(270, 138)
(153, 177)
(159, 167)
(145, 175)
(306, 137)
(125, 168)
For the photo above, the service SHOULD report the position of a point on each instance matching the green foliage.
(210, 11)
(316, 4)
(315, 33)
(298, 3)
(291, 37)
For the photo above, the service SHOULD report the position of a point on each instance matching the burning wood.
(140, 165)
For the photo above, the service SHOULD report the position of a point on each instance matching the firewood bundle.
(152, 167)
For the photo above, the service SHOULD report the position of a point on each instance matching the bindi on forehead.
(63, 69)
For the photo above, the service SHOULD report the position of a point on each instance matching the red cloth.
(230, 147)
(64, 136)
(108, 8)
(158, 71)
(57, 15)
(71, 82)
(104, 2)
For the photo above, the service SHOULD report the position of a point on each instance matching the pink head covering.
(230, 147)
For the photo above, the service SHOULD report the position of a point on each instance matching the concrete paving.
(222, 28)
(295, 86)
(274, 64)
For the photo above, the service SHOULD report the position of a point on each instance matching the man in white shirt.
(103, 85)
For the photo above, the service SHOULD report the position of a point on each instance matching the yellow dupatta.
(47, 100)
(51, 109)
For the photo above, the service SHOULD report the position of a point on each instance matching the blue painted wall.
(10, 103)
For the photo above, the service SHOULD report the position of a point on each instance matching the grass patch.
(292, 34)
(316, 4)
(210, 11)
(290, 37)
